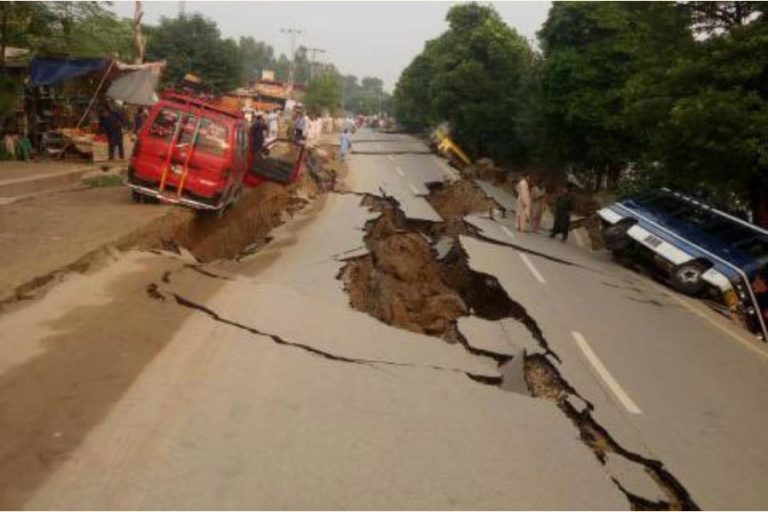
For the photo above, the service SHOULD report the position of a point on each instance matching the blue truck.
(697, 247)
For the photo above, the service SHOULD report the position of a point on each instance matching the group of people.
(111, 124)
(531, 200)
(264, 129)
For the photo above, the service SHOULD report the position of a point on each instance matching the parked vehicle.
(192, 152)
(701, 250)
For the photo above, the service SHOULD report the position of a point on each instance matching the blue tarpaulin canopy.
(52, 71)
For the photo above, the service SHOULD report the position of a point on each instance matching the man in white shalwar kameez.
(523, 210)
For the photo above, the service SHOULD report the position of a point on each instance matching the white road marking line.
(736, 335)
(507, 231)
(414, 189)
(400, 171)
(533, 269)
(604, 374)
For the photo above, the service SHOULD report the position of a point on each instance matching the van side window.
(164, 124)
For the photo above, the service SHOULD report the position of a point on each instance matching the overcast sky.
(360, 38)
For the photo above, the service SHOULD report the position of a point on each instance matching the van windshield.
(212, 137)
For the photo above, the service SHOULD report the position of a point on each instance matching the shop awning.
(136, 87)
(52, 71)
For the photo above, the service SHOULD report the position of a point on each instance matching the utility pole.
(182, 8)
(292, 33)
(313, 61)
(138, 38)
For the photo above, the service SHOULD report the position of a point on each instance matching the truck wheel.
(687, 278)
(616, 238)
(136, 197)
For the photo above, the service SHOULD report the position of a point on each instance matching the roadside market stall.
(65, 94)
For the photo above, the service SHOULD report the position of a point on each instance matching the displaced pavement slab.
(634, 478)
(402, 177)
(221, 420)
(501, 196)
(380, 178)
(505, 337)
(670, 362)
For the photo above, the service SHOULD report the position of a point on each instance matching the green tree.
(713, 138)
(88, 29)
(324, 94)
(193, 44)
(411, 96)
(255, 56)
(368, 97)
(282, 68)
(24, 25)
(587, 60)
(470, 76)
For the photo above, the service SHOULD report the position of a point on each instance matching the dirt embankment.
(399, 282)
(246, 223)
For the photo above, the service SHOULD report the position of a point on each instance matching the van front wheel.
(687, 278)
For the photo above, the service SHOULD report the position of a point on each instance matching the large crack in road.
(374, 282)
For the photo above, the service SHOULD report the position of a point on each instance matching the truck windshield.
(212, 137)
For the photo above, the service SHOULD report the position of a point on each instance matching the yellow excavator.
(444, 145)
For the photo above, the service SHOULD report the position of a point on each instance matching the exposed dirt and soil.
(44, 239)
(404, 284)
(459, 198)
(399, 281)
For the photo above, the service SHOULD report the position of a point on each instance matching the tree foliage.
(470, 76)
(324, 94)
(73, 29)
(366, 97)
(676, 92)
(193, 44)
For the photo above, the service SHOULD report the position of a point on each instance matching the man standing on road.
(258, 130)
(111, 123)
(300, 125)
(537, 204)
(345, 144)
(563, 207)
(272, 125)
(523, 212)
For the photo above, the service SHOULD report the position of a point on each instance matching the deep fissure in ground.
(406, 282)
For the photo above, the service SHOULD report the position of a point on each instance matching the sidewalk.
(41, 235)
(25, 179)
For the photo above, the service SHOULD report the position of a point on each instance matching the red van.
(190, 151)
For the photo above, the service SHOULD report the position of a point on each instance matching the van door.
(282, 163)
(240, 158)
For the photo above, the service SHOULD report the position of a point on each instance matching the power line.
(313, 60)
(292, 33)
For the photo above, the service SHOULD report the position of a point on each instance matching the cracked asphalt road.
(257, 386)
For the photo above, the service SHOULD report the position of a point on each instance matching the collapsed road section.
(243, 379)
(418, 277)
